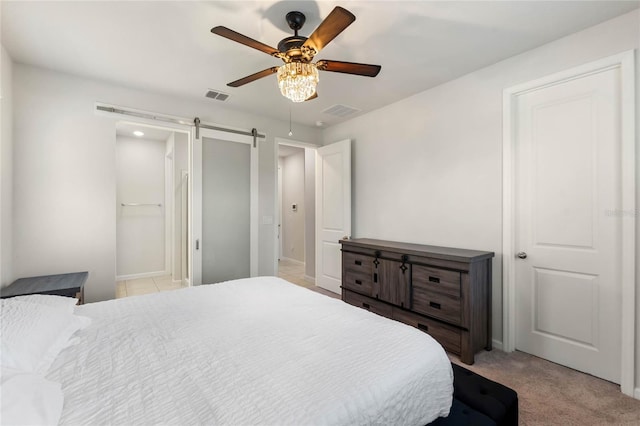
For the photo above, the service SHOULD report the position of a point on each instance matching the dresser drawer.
(437, 305)
(439, 280)
(363, 302)
(449, 337)
(359, 282)
(358, 263)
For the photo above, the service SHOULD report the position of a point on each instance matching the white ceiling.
(167, 47)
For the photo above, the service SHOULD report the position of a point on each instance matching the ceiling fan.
(298, 77)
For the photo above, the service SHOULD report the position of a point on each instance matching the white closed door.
(333, 211)
(567, 190)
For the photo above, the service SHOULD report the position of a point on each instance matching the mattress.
(246, 352)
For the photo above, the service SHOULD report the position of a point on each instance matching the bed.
(252, 351)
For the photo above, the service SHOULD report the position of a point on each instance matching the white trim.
(142, 275)
(310, 279)
(624, 61)
(636, 393)
(288, 259)
(497, 344)
(628, 204)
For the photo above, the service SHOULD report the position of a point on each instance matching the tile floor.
(288, 270)
(294, 273)
(145, 286)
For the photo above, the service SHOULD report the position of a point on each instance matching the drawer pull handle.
(358, 262)
(423, 327)
(434, 305)
(434, 280)
(358, 282)
(366, 306)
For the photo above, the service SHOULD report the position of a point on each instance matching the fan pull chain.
(290, 131)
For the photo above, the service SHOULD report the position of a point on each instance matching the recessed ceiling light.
(138, 133)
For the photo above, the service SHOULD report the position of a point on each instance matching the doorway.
(152, 181)
(569, 254)
(296, 212)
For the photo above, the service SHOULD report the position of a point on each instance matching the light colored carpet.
(550, 394)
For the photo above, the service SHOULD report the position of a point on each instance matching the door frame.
(625, 61)
(298, 144)
(196, 200)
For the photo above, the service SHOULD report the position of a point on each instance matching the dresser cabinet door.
(392, 282)
(358, 273)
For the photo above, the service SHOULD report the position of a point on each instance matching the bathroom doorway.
(152, 209)
(296, 217)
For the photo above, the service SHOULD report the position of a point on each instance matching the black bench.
(479, 401)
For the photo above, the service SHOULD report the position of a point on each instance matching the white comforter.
(246, 352)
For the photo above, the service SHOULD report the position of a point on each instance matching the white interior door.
(225, 205)
(567, 162)
(333, 211)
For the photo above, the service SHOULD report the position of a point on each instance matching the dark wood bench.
(479, 401)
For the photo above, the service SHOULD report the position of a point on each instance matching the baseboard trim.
(288, 259)
(497, 344)
(636, 393)
(310, 279)
(142, 275)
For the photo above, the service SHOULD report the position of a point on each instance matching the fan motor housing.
(291, 43)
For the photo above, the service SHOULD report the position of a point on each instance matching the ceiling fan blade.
(349, 67)
(242, 39)
(253, 77)
(312, 97)
(334, 24)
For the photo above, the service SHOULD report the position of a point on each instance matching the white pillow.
(34, 334)
(29, 399)
(66, 304)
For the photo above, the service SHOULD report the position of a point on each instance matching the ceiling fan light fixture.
(298, 80)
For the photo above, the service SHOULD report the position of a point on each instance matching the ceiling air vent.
(217, 95)
(340, 110)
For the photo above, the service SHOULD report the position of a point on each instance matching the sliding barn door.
(224, 207)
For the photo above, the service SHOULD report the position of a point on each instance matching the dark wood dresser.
(445, 292)
(70, 285)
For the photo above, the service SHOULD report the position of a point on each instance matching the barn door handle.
(404, 268)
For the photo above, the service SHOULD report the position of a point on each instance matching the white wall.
(140, 230)
(64, 172)
(6, 168)
(293, 222)
(427, 169)
(310, 212)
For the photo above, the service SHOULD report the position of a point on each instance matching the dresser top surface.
(45, 283)
(446, 253)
